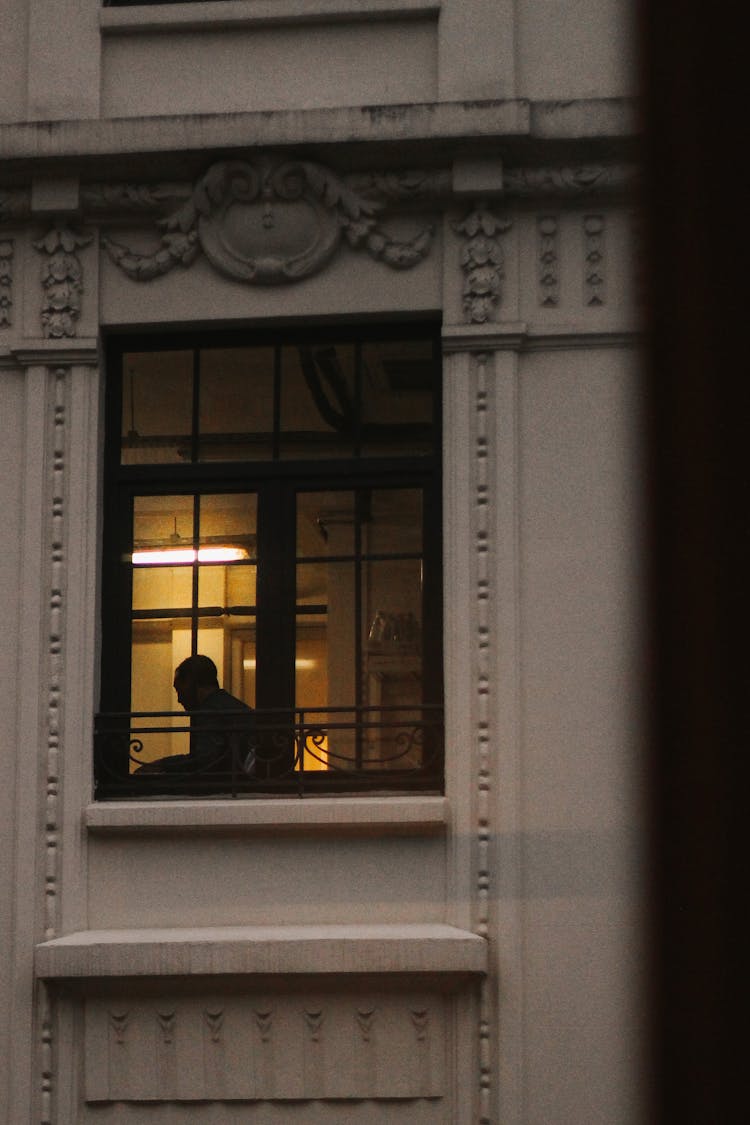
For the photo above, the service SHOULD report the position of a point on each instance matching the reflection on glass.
(157, 404)
(236, 404)
(325, 523)
(317, 401)
(397, 397)
(395, 522)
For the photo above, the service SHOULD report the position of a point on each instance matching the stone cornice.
(51, 353)
(521, 337)
(453, 126)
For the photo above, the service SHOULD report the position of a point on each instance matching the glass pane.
(330, 642)
(156, 651)
(236, 404)
(227, 577)
(157, 407)
(311, 690)
(317, 401)
(392, 663)
(162, 536)
(392, 605)
(229, 523)
(397, 397)
(395, 522)
(325, 523)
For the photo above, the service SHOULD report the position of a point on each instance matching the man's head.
(194, 679)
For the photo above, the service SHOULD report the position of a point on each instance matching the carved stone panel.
(62, 280)
(482, 262)
(269, 223)
(277, 1046)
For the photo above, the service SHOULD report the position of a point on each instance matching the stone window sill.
(263, 951)
(215, 14)
(396, 816)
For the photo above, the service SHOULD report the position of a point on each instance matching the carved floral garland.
(62, 280)
(266, 224)
(482, 262)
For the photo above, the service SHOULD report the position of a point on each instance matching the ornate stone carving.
(118, 1021)
(128, 198)
(47, 1014)
(594, 292)
(6, 282)
(314, 1021)
(575, 180)
(214, 1018)
(208, 1048)
(264, 1022)
(365, 1017)
(166, 1021)
(484, 777)
(62, 279)
(549, 285)
(415, 183)
(420, 1018)
(482, 262)
(55, 658)
(267, 223)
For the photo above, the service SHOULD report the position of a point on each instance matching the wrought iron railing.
(237, 753)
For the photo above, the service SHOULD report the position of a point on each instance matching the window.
(274, 503)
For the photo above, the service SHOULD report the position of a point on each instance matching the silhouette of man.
(222, 728)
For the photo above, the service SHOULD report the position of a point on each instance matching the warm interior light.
(182, 556)
(305, 663)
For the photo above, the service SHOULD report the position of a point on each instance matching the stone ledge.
(262, 951)
(339, 815)
(83, 351)
(257, 13)
(439, 121)
(521, 337)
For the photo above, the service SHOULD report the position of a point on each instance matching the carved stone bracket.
(6, 282)
(268, 223)
(482, 262)
(62, 279)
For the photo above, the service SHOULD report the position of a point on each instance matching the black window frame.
(275, 480)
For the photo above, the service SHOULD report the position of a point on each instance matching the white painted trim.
(212, 16)
(256, 950)
(342, 815)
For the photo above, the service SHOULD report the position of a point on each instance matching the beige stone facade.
(459, 957)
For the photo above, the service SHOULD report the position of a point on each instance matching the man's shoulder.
(221, 700)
